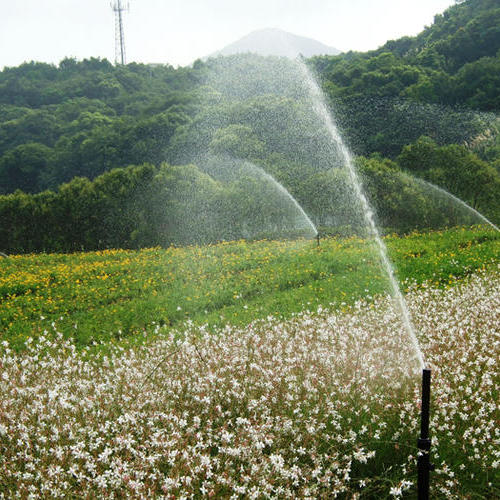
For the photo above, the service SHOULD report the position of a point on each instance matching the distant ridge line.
(276, 42)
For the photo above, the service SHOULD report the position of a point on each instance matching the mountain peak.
(276, 42)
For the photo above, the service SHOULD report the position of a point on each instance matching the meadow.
(322, 405)
(116, 295)
(250, 370)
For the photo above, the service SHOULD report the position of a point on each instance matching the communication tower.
(119, 8)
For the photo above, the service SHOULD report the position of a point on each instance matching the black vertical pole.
(317, 238)
(424, 442)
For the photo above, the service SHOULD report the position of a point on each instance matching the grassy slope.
(115, 294)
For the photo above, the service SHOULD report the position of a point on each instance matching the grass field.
(188, 394)
(115, 295)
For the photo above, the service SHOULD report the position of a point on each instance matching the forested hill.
(427, 105)
(84, 118)
(454, 61)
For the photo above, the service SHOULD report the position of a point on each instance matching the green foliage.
(84, 119)
(454, 62)
(456, 169)
(479, 82)
(237, 141)
(93, 115)
(224, 199)
(21, 167)
(146, 206)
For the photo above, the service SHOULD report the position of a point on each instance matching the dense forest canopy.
(426, 106)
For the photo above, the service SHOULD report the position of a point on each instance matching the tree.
(419, 157)
(454, 168)
(22, 167)
(238, 141)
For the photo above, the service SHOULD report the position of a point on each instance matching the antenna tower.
(118, 8)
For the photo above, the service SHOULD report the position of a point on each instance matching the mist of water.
(276, 105)
(320, 108)
(261, 185)
(456, 200)
(287, 194)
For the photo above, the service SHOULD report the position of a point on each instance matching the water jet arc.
(457, 200)
(226, 168)
(285, 191)
(320, 108)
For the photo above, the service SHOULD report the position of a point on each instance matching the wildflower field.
(115, 295)
(251, 370)
(320, 405)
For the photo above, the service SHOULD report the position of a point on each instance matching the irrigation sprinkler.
(318, 238)
(424, 442)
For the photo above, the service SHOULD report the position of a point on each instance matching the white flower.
(395, 491)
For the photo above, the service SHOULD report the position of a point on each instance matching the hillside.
(419, 105)
(452, 65)
(275, 42)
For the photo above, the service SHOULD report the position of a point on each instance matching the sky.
(179, 31)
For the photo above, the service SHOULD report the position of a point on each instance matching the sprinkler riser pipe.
(424, 465)
(426, 404)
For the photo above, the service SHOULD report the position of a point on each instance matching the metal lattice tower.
(118, 9)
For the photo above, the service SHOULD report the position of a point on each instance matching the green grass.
(114, 295)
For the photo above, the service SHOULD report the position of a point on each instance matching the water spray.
(320, 108)
(424, 465)
(454, 198)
